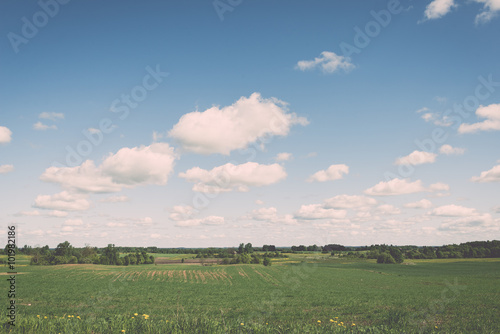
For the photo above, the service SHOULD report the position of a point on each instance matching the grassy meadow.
(306, 293)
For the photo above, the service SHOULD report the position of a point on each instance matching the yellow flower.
(242, 324)
(45, 317)
(331, 320)
(436, 327)
(133, 317)
(353, 325)
(319, 321)
(123, 331)
(78, 317)
(69, 316)
(166, 321)
(38, 315)
(136, 313)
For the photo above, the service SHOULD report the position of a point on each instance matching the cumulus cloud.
(283, 157)
(402, 187)
(492, 175)
(439, 186)
(127, 168)
(332, 173)
(453, 210)
(5, 135)
(438, 8)
(349, 202)
(387, 209)
(395, 187)
(222, 130)
(471, 224)
(489, 11)
(231, 177)
(42, 127)
(4, 169)
(318, 211)
(210, 220)
(422, 204)
(182, 212)
(492, 123)
(51, 115)
(417, 158)
(329, 62)
(450, 150)
(63, 201)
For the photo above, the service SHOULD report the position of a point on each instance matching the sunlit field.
(306, 293)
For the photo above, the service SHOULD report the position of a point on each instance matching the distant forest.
(65, 253)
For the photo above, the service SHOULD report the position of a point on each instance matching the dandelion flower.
(436, 327)
(242, 324)
(45, 317)
(319, 321)
(136, 313)
(123, 331)
(38, 315)
(331, 320)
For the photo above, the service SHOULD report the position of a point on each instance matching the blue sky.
(213, 123)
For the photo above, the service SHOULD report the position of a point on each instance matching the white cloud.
(453, 210)
(63, 201)
(127, 168)
(422, 110)
(5, 135)
(42, 127)
(317, 211)
(471, 224)
(259, 202)
(51, 115)
(387, 209)
(492, 115)
(417, 158)
(222, 130)
(73, 222)
(268, 214)
(438, 8)
(334, 172)
(93, 130)
(210, 220)
(422, 204)
(395, 187)
(182, 212)
(490, 10)
(439, 187)
(231, 177)
(329, 62)
(492, 175)
(58, 214)
(4, 169)
(283, 156)
(115, 199)
(349, 202)
(146, 221)
(450, 150)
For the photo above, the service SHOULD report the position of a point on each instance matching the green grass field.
(306, 293)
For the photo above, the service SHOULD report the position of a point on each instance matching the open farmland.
(296, 295)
